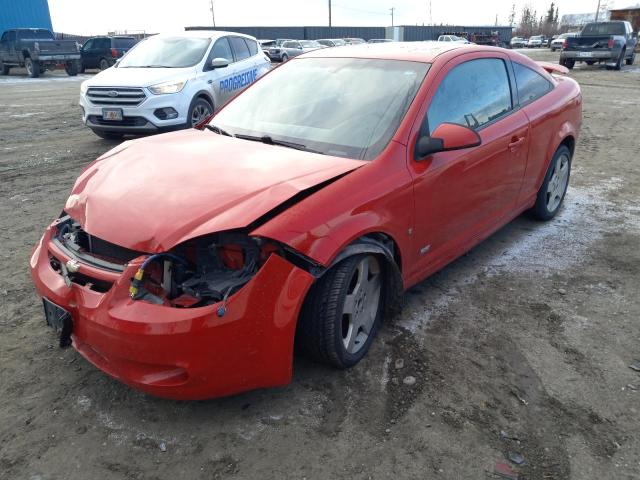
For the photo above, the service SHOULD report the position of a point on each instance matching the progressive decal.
(238, 81)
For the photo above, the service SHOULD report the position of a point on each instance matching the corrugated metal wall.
(432, 32)
(24, 14)
(303, 33)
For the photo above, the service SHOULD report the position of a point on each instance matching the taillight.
(610, 43)
(565, 44)
(114, 53)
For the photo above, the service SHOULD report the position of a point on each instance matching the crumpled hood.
(156, 192)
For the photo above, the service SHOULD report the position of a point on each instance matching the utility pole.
(598, 11)
(329, 12)
(392, 9)
(213, 15)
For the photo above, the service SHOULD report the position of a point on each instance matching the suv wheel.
(33, 68)
(285, 57)
(198, 111)
(104, 64)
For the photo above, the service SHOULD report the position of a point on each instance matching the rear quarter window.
(531, 85)
(123, 42)
(253, 46)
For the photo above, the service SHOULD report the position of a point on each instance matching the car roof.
(414, 51)
(213, 34)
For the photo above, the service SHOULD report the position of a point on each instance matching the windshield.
(170, 52)
(324, 104)
(35, 35)
(604, 28)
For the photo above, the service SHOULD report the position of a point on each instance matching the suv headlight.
(83, 87)
(167, 87)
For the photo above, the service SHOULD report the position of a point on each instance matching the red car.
(190, 264)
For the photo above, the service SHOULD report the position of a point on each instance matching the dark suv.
(102, 52)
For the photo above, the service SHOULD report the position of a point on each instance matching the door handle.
(515, 143)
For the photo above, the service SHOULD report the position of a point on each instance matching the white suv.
(170, 81)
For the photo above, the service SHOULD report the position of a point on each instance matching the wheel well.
(206, 97)
(570, 143)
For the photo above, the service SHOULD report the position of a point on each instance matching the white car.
(453, 38)
(170, 81)
(535, 42)
(556, 43)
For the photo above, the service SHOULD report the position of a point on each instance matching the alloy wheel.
(558, 183)
(200, 112)
(361, 304)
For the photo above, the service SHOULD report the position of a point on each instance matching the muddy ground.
(523, 345)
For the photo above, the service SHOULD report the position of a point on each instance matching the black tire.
(4, 69)
(620, 61)
(285, 57)
(628, 61)
(196, 109)
(104, 64)
(81, 67)
(541, 210)
(108, 135)
(71, 68)
(589, 62)
(33, 68)
(320, 333)
(569, 63)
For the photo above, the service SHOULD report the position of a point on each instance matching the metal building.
(24, 14)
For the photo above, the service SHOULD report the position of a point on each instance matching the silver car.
(293, 48)
(274, 50)
(332, 42)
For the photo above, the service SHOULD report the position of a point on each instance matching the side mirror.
(219, 62)
(447, 136)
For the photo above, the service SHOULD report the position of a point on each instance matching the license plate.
(113, 114)
(585, 54)
(60, 320)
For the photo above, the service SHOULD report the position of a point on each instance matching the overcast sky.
(99, 16)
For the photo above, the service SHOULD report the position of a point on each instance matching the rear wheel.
(620, 61)
(629, 61)
(71, 68)
(104, 64)
(33, 68)
(342, 312)
(108, 135)
(554, 186)
(285, 57)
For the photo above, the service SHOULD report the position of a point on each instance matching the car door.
(218, 79)
(244, 66)
(462, 196)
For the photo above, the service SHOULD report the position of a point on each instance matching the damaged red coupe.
(190, 264)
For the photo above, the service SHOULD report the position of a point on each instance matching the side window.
(240, 48)
(88, 45)
(11, 36)
(472, 94)
(221, 49)
(105, 43)
(253, 46)
(531, 85)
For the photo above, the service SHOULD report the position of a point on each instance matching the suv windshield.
(324, 105)
(171, 52)
(604, 28)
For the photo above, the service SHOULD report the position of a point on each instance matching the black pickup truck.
(612, 43)
(37, 50)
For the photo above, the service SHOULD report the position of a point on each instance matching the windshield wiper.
(218, 130)
(283, 143)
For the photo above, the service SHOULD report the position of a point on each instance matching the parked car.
(274, 50)
(103, 52)
(536, 41)
(354, 41)
(379, 40)
(37, 50)
(188, 264)
(518, 42)
(293, 48)
(170, 81)
(612, 43)
(332, 42)
(452, 38)
(556, 43)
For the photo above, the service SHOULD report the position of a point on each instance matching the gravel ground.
(523, 345)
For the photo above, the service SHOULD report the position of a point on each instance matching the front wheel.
(33, 67)
(342, 312)
(554, 186)
(198, 111)
(71, 68)
(284, 58)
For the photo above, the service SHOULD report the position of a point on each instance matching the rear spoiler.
(554, 68)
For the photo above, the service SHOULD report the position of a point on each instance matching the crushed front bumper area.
(179, 353)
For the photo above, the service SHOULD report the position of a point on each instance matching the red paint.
(456, 136)
(154, 193)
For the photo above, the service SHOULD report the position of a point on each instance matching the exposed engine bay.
(198, 272)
